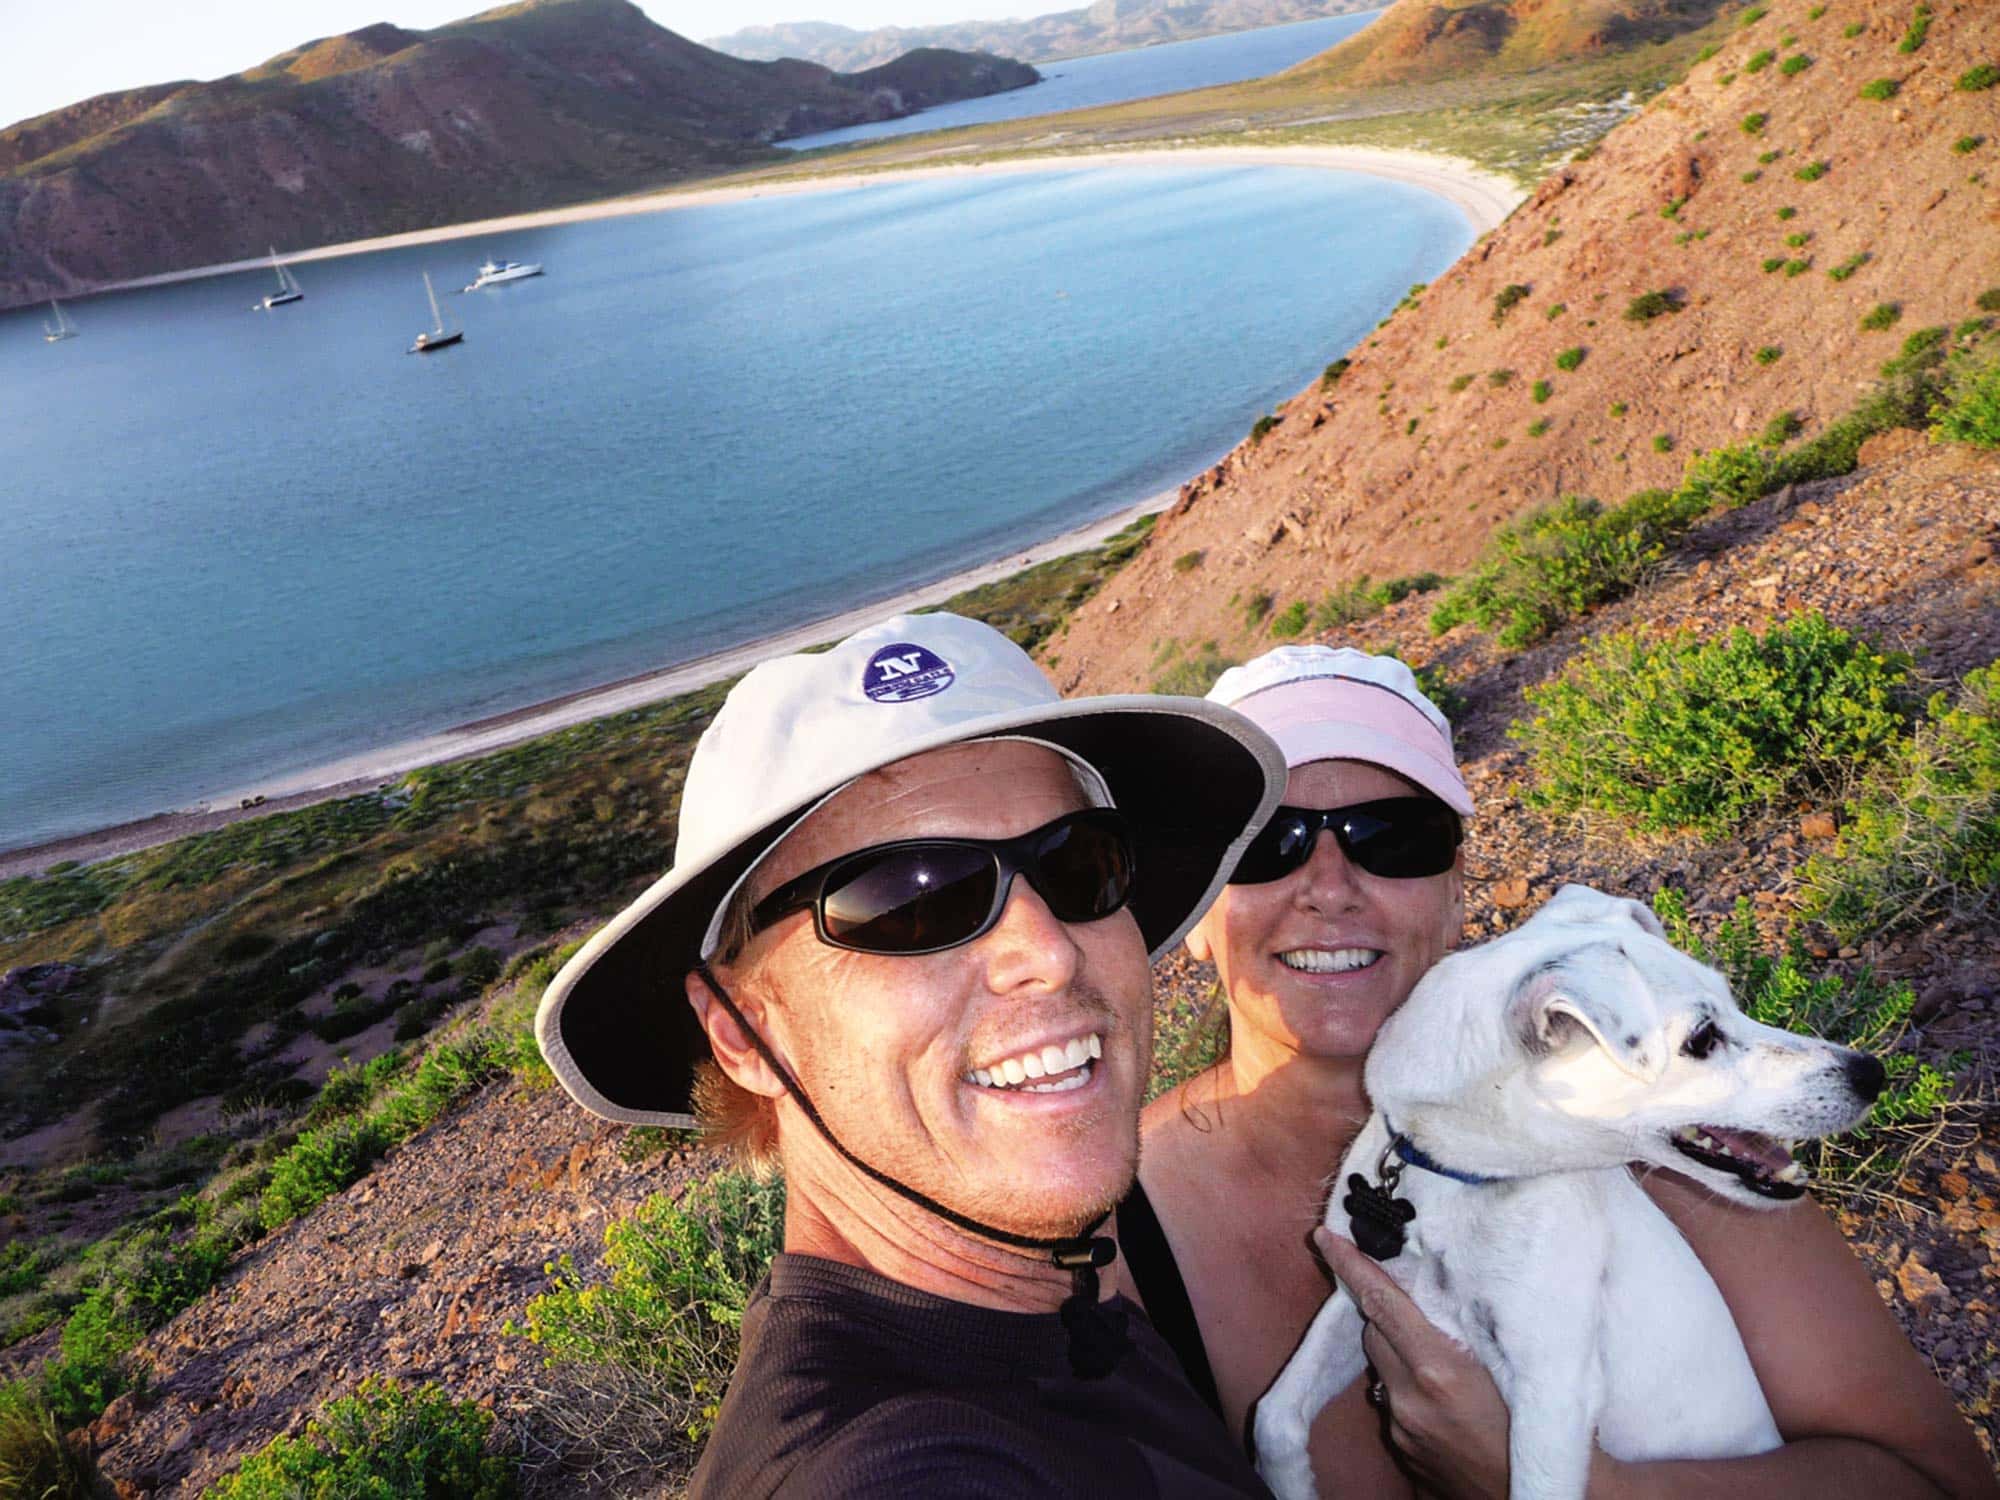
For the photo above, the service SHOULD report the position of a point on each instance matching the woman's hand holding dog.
(1441, 1411)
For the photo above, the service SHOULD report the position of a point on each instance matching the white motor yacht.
(493, 273)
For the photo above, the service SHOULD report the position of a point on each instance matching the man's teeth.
(1328, 961)
(1065, 1066)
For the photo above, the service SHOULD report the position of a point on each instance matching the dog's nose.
(1865, 1075)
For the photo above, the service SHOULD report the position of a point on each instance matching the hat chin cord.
(1096, 1334)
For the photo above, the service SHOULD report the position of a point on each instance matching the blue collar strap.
(1410, 1152)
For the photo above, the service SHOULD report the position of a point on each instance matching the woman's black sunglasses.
(925, 895)
(1398, 838)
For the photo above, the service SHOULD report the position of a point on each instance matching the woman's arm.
(1860, 1415)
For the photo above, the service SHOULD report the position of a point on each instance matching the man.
(948, 1061)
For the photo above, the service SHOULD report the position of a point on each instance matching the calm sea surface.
(237, 544)
(1115, 77)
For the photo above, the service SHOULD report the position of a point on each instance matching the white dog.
(1511, 1091)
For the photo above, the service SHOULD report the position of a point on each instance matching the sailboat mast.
(431, 292)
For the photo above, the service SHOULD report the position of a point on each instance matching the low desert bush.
(1978, 79)
(1291, 620)
(1330, 376)
(1921, 839)
(1193, 676)
(1769, 354)
(1781, 429)
(1262, 426)
(1540, 391)
(1396, 590)
(1459, 383)
(1860, 1011)
(1650, 305)
(1681, 732)
(1794, 65)
(1773, 263)
(1663, 442)
(1539, 427)
(1988, 300)
(1881, 316)
(1753, 124)
(1880, 88)
(1256, 607)
(1849, 266)
(38, 1460)
(1507, 299)
(1345, 604)
(1812, 171)
(1187, 562)
(1969, 411)
(1965, 145)
(1920, 25)
(384, 1442)
(1570, 358)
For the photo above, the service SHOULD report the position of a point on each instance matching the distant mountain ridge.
(1107, 26)
(383, 130)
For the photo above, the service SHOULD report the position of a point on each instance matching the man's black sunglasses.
(925, 895)
(1398, 838)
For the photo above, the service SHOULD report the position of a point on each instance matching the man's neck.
(836, 1214)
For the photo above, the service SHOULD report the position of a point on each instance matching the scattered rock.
(1818, 825)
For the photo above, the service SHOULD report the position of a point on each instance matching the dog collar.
(1402, 1146)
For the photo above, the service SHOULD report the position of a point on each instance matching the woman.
(1325, 930)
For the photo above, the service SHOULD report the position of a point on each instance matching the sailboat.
(61, 329)
(288, 285)
(437, 338)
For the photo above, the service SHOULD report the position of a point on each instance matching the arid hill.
(1765, 205)
(384, 130)
(1107, 26)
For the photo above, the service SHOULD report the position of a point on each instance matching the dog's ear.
(1579, 903)
(1597, 990)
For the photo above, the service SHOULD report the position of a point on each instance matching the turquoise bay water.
(1118, 77)
(237, 544)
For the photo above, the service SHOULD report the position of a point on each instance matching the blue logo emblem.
(903, 672)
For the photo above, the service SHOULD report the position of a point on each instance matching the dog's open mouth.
(1763, 1162)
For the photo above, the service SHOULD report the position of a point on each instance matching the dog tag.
(1378, 1218)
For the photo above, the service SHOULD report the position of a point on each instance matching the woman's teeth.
(1329, 961)
(1045, 1070)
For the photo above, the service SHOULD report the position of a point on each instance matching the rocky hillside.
(384, 130)
(1107, 26)
(1756, 242)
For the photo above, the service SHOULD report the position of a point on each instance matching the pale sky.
(55, 52)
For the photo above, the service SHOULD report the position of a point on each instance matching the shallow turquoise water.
(237, 544)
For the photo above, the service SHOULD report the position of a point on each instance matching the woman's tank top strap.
(1150, 1262)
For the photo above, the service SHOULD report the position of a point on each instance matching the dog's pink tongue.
(1750, 1146)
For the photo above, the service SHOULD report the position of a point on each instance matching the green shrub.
(1812, 171)
(1759, 61)
(1754, 13)
(1729, 476)
(1781, 429)
(1618, 409)
(1538, 427)
(1769, 354)
(1970, 409)
(1765, 160)
(1556, 562)
(1570, 358)
(1187, 562)
(320, 1163)
(1849, 266)
(89, 1369)
(1540, 391)
(1556, 310)
(1920, 25)
(1256, 607)
(1193, 676)
(1921, 840)
(1679, 731)
(1853, 29)
(1797, 267)
(1794, 65)
(1882, 315)
(1975, 80)
(1672, 208)
(1262, 426)
(1988, 300)
(1787, 212)
(1291, 620)
(384, 1442)
(1965, 145)
(1773, 263)
(1856, 1011)
(1816, 12)
(1650, 305)
(1330, 376)
(1753, 124)
(1507, 298)
(1396, 590)
(1880, 88)
(666, 1317)
(1499, 377)
(1663, 442)
(1459, 383)
(1750, 176)
(1799, 239)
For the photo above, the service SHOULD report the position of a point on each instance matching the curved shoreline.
(1481, 197)
(1484, 198)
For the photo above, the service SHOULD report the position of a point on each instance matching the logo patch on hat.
(902, 672)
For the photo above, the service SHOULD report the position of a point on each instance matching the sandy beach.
(1483, 198)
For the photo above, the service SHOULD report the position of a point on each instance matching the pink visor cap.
(1336, 703)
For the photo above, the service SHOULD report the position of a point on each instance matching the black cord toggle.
(1097, 1339)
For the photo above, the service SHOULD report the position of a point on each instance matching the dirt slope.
(1393, 471)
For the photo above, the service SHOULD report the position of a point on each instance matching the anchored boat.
(492, 273)
(437, 338)
(288, 285)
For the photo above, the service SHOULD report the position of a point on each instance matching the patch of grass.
(1860, 1011)
(1617, 409)
(1291, 620)
(1794, 65)
(1686, 731)
(1193, 676)
(1262, 426)
(1921, 840)
(1812, 171)
(1881, 316)
(1499, 377)
(1754, 14)
(1759, 61)
(1570, 358)
(1507, 299)
(1769, 354)
(1799, 239)
(1853, 29)
(1881, 88)
(1538, 427)
(1753, 124)
(1672, 208)
(1256, 607)
(1650, 305)
(1460, 382)
(1663, 442)
(1330, 376)
(1187, 562)
(1750, 176)
(1797, 267)
(1988, 300)
(1541, 391)
(1346, 604)
(1919, 28)
(1781, 429)
(1766, 158)
(1978, 79)
(1965, 145)
(1849, 266)
(38, 1461)
(384, 1440)
(1787, 213)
